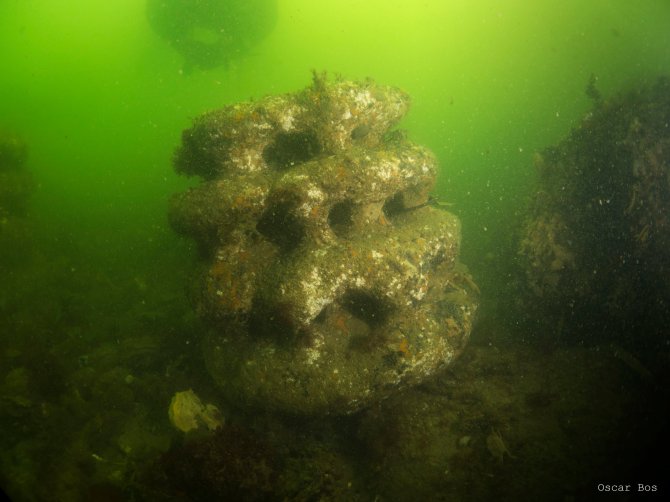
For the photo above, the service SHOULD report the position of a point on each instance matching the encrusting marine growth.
(328, 281)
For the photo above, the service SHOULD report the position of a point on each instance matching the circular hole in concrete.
(393, 206)
(272, 321)
(280, 225)
(290, 149)
(366, 307)
(340, 218)
(360, 132)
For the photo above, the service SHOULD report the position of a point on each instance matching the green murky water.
(96, 329)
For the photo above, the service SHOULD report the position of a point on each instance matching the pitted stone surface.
(329, 281)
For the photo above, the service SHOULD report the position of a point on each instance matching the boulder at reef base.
(327, 281)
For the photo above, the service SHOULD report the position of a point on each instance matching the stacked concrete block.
(329, 280)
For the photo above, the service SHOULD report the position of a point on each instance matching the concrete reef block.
(329, 281)
(279, 132)
(212, 211)
(394, 265)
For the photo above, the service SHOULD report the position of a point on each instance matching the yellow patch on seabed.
(187, 413)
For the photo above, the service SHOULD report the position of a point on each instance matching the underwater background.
(96, 328)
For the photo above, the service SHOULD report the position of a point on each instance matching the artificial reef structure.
(595, 245)
(211, 33)
(328, 279)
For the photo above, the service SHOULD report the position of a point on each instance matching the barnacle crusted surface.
(327, 282)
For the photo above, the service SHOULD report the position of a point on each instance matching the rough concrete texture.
(329, 280)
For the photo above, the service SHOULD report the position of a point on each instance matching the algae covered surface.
(335, 250)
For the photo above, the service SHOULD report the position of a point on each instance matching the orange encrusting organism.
(341, 324)
(403, 347)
